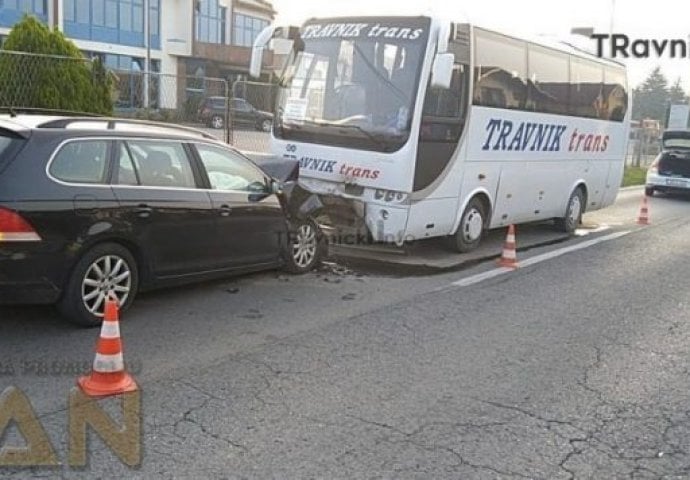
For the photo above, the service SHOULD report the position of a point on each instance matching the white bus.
(415, 127)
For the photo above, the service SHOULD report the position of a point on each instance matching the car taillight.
(13, 228)
(654, 167)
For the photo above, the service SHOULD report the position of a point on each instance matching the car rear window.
(679, 143)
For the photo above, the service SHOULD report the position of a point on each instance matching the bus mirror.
(289, 35)
(442, 70)
(260, 45)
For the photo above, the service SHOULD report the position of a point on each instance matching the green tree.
(52, 73)
(650, 99)
(676, 94)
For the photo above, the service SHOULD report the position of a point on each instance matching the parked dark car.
(670, 172)
(91, 208)
(213, 111)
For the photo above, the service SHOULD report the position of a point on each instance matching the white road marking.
(582, 232)
(480, 277)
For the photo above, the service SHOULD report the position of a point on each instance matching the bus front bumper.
(386, 223)
(354, 222)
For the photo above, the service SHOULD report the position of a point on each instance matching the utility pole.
(147, 65)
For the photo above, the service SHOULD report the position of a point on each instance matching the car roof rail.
(112, 123)
(14, 111)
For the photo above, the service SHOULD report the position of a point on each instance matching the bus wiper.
(374, 138)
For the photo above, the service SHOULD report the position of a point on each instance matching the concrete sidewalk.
(434, 256)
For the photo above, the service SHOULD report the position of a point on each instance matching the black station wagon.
(92, 208)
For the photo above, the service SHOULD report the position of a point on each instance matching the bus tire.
(472, 226)
(573, 212)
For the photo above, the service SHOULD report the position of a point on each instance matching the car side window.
(81, 161)
(229, 171)
(126, 171)
(161, 164)
(239, 104)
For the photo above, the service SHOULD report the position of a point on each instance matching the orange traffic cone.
(643, 217)
(108, 376)
(509, 257)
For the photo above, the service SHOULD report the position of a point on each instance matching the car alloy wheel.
(217, 122)
(108, 277)
(304, 248)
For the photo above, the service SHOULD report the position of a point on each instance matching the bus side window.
(548, 83)
(615, 93)
(586, 89)
(500, 72)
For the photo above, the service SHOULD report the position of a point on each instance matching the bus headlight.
(389, 196)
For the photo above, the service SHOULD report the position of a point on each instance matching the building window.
(12, 11)
(210, 22)
(246, 29)
(112, 21)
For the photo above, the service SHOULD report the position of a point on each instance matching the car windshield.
(354, 84)
(677, 143)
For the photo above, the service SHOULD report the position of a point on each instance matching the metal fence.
(261, 98)
(643, 148)
(50, 82)
(201, 102)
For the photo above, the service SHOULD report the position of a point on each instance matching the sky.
(655, 19)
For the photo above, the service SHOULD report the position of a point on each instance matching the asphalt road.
(574, 366)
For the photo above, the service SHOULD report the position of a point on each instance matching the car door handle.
(225, 210)
(143, 210)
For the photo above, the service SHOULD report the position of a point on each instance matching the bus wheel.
(471, 228)
(573, 214)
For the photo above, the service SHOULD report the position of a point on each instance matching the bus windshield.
(354, 83)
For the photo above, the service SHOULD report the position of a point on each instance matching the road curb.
(434, 259)
(632, 187)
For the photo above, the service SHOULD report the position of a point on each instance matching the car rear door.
(156, 182)
(250, 222)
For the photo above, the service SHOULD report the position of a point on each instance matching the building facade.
(195, 38)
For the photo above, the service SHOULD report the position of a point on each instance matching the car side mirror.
(276, 187)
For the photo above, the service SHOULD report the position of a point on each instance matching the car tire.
(573, 212)
(106, 269)
(217, 122)
(471, 229)
(266, 125)
(306, 247)
(649, 191)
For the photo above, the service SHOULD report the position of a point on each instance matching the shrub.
(53, 74)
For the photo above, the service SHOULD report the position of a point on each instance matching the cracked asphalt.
(577, 367)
